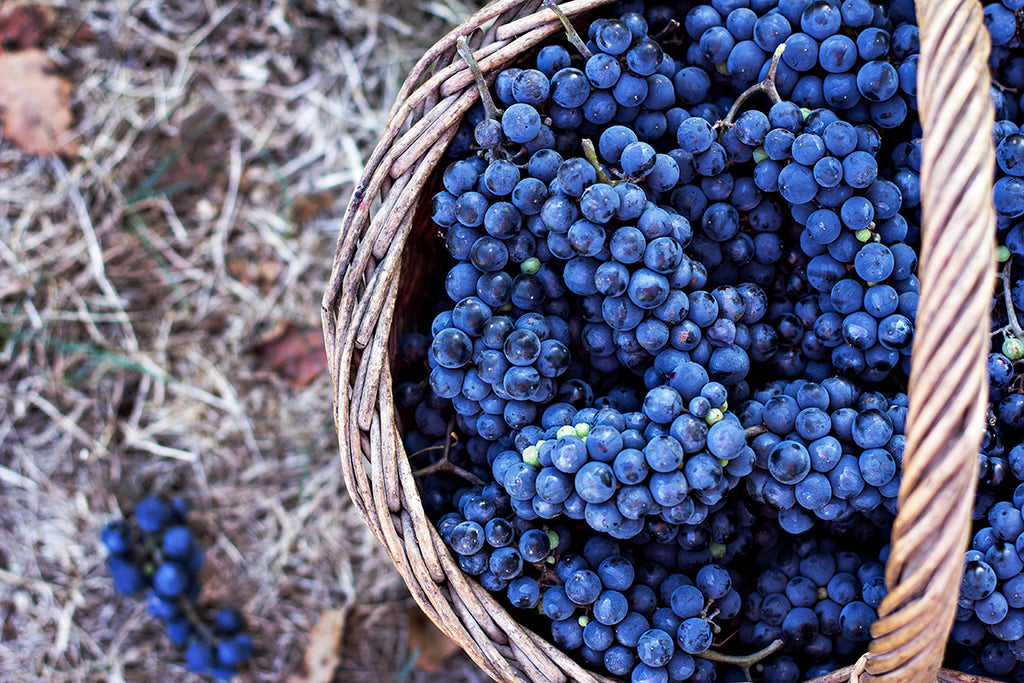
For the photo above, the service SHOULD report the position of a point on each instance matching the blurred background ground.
(159, 327)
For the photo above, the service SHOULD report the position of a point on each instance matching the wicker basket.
(383, 246)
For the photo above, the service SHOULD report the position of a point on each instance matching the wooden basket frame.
(948, 391)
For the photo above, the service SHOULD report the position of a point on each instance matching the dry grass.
(133, 283)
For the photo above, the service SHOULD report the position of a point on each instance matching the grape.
(595, 482)
(796, 183)
(979, 580)
(552, 58)
(235, 650)
(228, 621)
(520, 122)
(694, 635)
(638, 159)
(199, 656)
(116, 537)
(1000, 23)
(128, 578)
(171, 579)
(153, 514)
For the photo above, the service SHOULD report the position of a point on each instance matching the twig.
(574, 37)
(670, 27)
(197, 623)
(1011, 313)
(1004, 88)
(767, 86)
(445, 464)
(591, 155)
(95, 251)
(745, 661)
(490, 109)
(438, 447)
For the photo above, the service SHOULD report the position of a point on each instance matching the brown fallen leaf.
(322, 657)
(8, 619)
(35, 103)
(294, 353)
(199, 149)
(426, 638)
(307, 206)
(22, 25)
(262, 274)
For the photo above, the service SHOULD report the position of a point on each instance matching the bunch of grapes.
(161, 558)
(674, 459)
(618, 608)
(826, 451)
(819, 599)
(675, 331)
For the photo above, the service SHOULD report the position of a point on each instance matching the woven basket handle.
(948, 382)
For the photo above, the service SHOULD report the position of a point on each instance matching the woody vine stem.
(767, 86)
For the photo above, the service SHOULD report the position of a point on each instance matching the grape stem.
(767, 86)
(1011, 313)
(153, 551)
(197, 623)
(490, 109)
(745, 662)
(155, 554)
(1004, 88)
(670, 27)
(574, 37)
(445, 464)
(590, 152)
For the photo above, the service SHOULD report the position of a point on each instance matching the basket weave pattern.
(380, 236)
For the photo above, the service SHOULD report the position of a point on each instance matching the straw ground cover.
(219, 142)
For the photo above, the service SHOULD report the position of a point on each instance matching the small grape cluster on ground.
(159, 556)
(217, 145)
(660, 409)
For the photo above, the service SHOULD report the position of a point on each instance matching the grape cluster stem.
(1011, 313)
(669, 29)
(490, 109)
(155, 552)
(755, 431)
(445, 464)
(767, 86)
(196, 622)
(745, 662)
(574, 37)
(590, 152)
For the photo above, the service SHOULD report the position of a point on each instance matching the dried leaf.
(262, 274)
(22, 25)
(307, 206)
(294, 353)
(322, 657)
(199, 149)
(423, 636)
(35, 103)
(8, 621)
(83, 35)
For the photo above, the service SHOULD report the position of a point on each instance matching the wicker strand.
(947, 387)
(944, 676)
